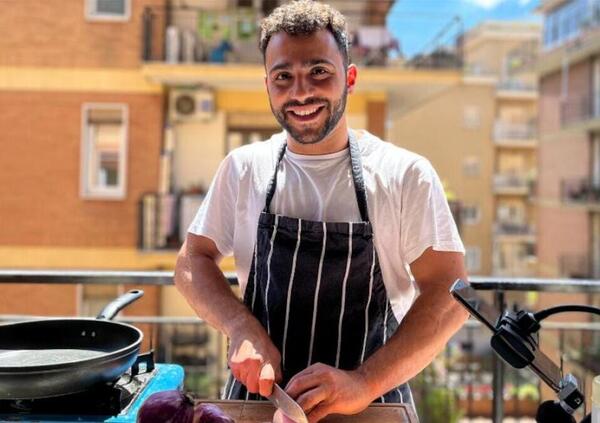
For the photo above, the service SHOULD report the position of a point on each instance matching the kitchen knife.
(287, 405)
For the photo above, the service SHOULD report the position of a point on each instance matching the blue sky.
(416, 22)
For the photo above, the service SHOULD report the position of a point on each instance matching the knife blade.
(287, 405)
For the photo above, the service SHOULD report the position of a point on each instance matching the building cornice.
(20, 78)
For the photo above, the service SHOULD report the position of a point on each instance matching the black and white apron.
(317, 289)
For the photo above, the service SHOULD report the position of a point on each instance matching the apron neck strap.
(357, 176)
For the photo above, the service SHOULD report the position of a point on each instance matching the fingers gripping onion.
(176, 407)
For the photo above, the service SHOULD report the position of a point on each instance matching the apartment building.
(569, 154)
(480, 135)
(81, 131)
(505, 52)
(569, 162)
(451, 127)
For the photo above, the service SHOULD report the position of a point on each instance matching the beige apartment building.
(569, 166)
(506, 52)
(481, 137)
(451, 128)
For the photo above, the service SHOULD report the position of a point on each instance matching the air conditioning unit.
(188, 105)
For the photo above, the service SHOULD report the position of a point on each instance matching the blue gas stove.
(114, 403)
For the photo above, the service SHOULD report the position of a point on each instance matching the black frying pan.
(52, 357)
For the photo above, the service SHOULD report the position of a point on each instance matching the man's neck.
(336, 141)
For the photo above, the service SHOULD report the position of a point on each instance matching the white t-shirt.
(406, 203)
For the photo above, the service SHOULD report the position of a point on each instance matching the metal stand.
(498, 371)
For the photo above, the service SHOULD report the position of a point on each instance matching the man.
(326, 225)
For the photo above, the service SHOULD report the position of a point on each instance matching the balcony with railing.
(514, 230)
(514, 252)
(513, 184)
(581, 110)
(517, 88)
(466, 380)
(180, 34)
(193, 45)
(581, 191)
(515, 135)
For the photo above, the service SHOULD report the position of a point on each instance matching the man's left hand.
(322, 390)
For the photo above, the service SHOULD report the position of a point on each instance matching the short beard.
(334, 117)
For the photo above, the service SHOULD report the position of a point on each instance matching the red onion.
(210, 413)
(176, 407)
(167, 407)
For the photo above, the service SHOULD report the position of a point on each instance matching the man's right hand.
(253, 359)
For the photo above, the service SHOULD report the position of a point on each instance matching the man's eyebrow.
(313, 62)
(280, 66)
(307, 63)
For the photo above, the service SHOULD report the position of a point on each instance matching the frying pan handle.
(112, 308)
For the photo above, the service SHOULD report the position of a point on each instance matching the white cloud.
(491, 4)
(487, 4)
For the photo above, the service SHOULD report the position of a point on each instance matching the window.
(473, 259)
(471, 166)
(596, 88)
(107, 10)
(470, 214)
(595, 150)
(471, 117)
(104, 151)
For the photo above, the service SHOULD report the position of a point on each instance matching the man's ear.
(351, 73)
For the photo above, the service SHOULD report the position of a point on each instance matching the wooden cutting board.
(262, 412)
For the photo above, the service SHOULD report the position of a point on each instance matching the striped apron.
(317, 289)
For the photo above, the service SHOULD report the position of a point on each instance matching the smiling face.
(307, 84)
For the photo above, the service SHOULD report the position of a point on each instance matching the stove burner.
(106, 399)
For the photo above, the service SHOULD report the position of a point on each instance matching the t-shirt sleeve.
(425, 215)
(215, 218)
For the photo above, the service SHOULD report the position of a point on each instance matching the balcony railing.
(512, 184)
(580, 108)
(192, 34)
(465, 379)
(513, 228)
(514, 131)
(518, 85)
(580, 190)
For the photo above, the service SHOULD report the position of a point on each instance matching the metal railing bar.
(190, 320)
(126, 319)
(133, 277)
(166, 278)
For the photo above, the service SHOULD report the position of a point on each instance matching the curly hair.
(304, 17)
